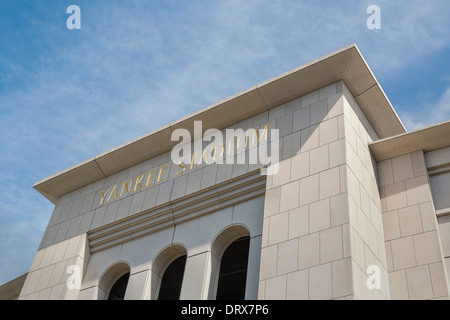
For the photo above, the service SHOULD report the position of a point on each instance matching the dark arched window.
(171, 281)
(233, 271)
(117, 291)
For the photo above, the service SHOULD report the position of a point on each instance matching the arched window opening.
(172, 279)
(233, 270)
(119, 288)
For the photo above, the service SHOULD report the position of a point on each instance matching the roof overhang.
(12, 289)
(345, 64)
(427, 139)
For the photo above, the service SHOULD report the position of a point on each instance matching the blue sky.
(134, 66)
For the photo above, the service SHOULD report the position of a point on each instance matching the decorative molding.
(192, 206)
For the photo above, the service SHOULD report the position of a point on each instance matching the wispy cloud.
(428, 114)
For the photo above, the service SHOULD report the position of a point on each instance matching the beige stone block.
(341, 126)
(428, 216)
(339, 209)
(124, 208)
(320, 282)
(308, 251)
(403, 253)
(337, 152)
(62, 231)
(418, 190)
(328, 131)
(391, 225)
(327, 91)
(44, 294)
(426, 247)
(287, 257)
(319, 215)
(410, 220)
(291, 145)
(58, 272)
(57, 292)
(283, 174)
(319, 160)
(31, 282)
(60, 250)
(342, 278)
(300, 166)
(289, 196)
(343, 178)
(278, 228)
(111, 211)
(224, 172)
(265, 232)
(419, 283)
(389, 262)
(398, 285)
(137, 202)
(268, 268)
(444, 231)
(97, 219)
(330, 184)
(402, 168)
(310, 98)
(284, 125)
(44, 279)
(309, 138)
(309, 189)
(319, 111)
(395, 196)
(272, 202)
(165, 192)
(331, 247)
(293, 105)
(297, 285)
(418, 162)
(276, 112)
(346, 241)
(276, 288)
(48, 256)
(383, 204)
(262, 290)
(195, 286)
(301, 119)
(298, 222)
(438, 279)
(335, 105)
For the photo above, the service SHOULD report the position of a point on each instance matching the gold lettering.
(239, 142)
(103, 195)
(215, 151)
(161, 172)
(113, 192)
(150, 176)
(127, 189)
(138, 183)
(192, 160)
(204, 156)
(266, 130)
(229, 145)
(182, 166)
